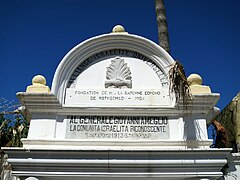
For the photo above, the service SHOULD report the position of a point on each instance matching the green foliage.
(19, 130)
(13, 126)
(5, 131)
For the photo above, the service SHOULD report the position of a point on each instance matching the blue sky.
(35, 36)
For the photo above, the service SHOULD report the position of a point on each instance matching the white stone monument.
(110, 115)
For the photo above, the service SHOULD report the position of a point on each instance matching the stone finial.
(38, 85)
(194, 79)
(118, 29)
(196, 87)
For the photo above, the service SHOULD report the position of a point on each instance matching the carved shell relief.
(118, 74)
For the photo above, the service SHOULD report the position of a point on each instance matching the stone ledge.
(185, 163)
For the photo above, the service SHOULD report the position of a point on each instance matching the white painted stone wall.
(117, 85)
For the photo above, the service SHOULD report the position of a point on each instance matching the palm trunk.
(162, 25)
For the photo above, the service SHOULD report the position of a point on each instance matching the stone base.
(117, 164)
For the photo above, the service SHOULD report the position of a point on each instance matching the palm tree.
(177, 76)
(162, 25)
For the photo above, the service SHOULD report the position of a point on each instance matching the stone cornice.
(45, 102)
(118, 163)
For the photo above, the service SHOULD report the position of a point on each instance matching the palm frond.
(178, 84)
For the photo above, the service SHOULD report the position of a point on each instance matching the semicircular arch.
(78, 55)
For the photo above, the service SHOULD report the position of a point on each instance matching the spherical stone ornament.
(118, 29)
(39, 79)
(38, 85)
(194, 79)
(195, 84)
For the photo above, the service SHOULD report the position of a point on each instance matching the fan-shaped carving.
(118, 74)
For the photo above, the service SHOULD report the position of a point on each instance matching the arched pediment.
(88, 66)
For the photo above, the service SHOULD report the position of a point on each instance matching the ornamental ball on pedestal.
(194, 79)
(118, 29)
(195, 84)
(39, 79)
(38, 85)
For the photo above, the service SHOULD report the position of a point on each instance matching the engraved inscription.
(117, 127)
(116, 97)
(113, 53)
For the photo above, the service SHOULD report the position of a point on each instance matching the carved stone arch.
(78, 55)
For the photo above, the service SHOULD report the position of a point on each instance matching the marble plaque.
(116, 97)
(117, 127)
